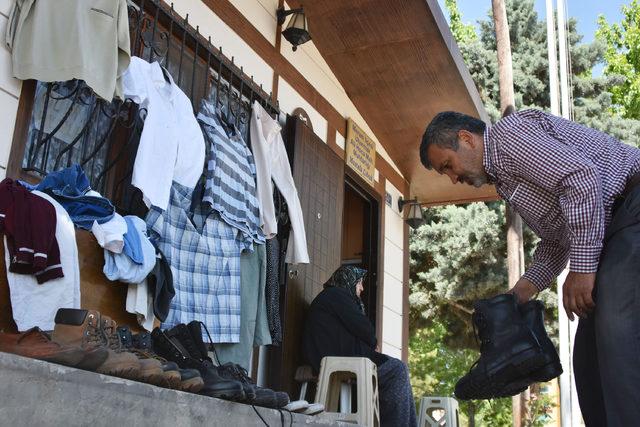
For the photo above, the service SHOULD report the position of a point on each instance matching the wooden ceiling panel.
(399, 65)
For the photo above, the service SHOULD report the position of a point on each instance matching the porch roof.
(400, 66)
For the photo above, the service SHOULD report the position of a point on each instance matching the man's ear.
(467, 137)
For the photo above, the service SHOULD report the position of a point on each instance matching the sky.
(585, 11)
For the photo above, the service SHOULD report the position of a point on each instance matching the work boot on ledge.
(150, 369)
(509, 349)
(254, 395)
(37, 345)
(170, 377)
(177, 345)
(533, 315)
(81, 328)
(187, 380)
(195, 330)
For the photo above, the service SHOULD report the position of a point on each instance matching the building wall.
(392, 306)
(309, 62)
(9, 93)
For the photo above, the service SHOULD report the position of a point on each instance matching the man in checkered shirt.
(578, 189)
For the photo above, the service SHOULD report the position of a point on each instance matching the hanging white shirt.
(272, 163)
(171, 145)
(36, 305)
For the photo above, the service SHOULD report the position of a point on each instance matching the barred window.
(69, 124)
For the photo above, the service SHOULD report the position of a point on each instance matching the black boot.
(262, 396)
(169, 346)
(533, 315)
(214, 384)
(255, 395)
(195, 329)
(183, 379)
(509, 349)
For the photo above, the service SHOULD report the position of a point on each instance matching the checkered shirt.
(204, 255)
(230, 176)
(562, 178)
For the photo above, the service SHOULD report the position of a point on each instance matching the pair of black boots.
(515, 350)
(184, 345)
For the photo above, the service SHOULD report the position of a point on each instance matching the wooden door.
(319, 177)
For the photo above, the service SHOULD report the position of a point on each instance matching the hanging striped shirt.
(230, 176)
(562, 178)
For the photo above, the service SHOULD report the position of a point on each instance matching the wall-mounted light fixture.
(414, 216)
(296, 32)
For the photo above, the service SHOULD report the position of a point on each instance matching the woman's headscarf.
(347, 277)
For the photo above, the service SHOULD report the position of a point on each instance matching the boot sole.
(491, 385)
(127, 372)
(546, 373)
(171, 379)
(153, 376)
(234, 395)
(192, 385)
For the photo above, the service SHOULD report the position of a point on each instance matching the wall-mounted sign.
(360, 152)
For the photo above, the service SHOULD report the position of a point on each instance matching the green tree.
(435, 368)
(457, 257)
(461, 31)
(593, 98)
(622, 59)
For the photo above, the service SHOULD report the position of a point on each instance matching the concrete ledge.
(34, 392)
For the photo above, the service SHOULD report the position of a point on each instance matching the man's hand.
(524, 290)
(576, 294)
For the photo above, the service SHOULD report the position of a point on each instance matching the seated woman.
(337, 326)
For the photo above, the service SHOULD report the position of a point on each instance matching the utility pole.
(569, 406)
(564, 380)
(515, 249)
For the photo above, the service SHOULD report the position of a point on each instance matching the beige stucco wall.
(9, 93)
(392, 307)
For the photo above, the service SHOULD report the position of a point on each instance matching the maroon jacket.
(29, 222)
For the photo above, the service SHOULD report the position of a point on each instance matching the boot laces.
(189, 344)
(480, 332)
(111, 335)
(236, 372)
(93, 335)
(210, 343)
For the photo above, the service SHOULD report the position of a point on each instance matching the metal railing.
(70, 124)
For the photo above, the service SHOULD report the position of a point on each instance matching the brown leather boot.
(81, 328)
(150, 369)
(135, 344)
(36, 344)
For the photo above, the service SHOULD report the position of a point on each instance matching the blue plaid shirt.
(230, 176)
(204, 255)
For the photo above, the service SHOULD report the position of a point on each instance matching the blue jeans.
(69, 187)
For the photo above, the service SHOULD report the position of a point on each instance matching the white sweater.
(36, 305)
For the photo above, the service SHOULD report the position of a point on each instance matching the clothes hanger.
(165, 73)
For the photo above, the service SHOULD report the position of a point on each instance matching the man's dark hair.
(443, 132)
